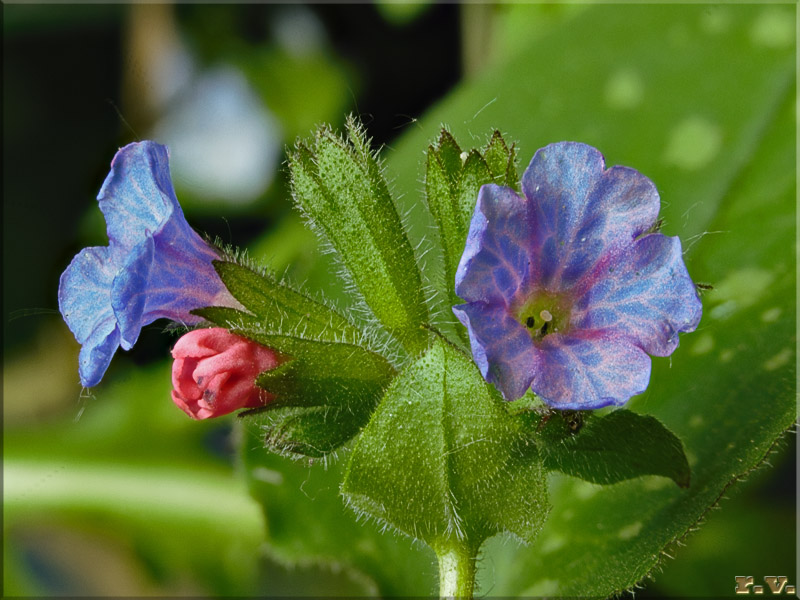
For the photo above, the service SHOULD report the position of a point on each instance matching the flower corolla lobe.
(155, 265)
(214, 373)
(566, 291)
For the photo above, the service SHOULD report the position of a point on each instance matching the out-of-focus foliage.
(137, 475)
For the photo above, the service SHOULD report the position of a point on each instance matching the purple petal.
(84, 301)
(495, 262)
(183, 278)
(97, 352)
(165, 276)
(586, 370)
(583, 214)
(502, 347)
(155, 266)
(645, 295)
(130, 290)
(84, 291)
(137, 196)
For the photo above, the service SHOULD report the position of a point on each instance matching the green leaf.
(307, 432)
(281, 309)
(441, 185)
(443, 461)
(621, 445)
(448, 153)
(324, 395)
(326, 374)
(228, 317)
(339, 187)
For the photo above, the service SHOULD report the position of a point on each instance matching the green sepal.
(618, 446)
(280, 308)
(501, 161)
(340, 376)
(339, 187)
(230, 318)
(452, 181)
(324, 394)
(474, 174)
(443, 461)
(448, 153)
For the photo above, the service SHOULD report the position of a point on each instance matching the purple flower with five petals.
(154, 266)
(567, 289)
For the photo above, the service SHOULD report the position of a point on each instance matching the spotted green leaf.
(308, 523)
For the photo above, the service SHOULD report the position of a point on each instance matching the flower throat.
(544, 314)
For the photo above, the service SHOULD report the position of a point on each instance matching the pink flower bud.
(214, 373)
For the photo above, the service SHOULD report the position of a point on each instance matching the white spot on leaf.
(774, 28)
(543, 588)
(624, 90)
(715, 20)
(267, 475)
(741, 289)
(585, 490)
(656, 483)
(705, 343)
(771, 315)
(552, 543)
(781, 359)
(693, 143)
(630, 531)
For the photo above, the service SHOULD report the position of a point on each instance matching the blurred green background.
(114, 491)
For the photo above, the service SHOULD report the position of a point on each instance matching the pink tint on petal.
(214, 373)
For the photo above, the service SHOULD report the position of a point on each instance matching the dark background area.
(64, 116)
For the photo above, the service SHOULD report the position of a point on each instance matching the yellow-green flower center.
(543, 314)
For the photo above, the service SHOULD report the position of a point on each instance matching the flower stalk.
(456, 571)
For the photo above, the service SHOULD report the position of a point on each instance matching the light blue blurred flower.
(227, 145)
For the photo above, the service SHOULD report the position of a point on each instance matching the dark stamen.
(530, 322)
(544, 328)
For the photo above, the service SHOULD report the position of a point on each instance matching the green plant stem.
(456, 571)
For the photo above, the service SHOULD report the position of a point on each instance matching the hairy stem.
(456, 572)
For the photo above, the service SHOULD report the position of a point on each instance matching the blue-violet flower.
(155, 265)
(568, 289)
